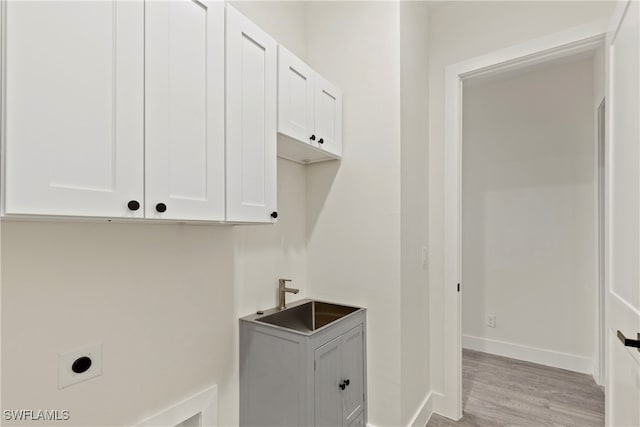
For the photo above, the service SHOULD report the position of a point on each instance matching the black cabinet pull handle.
(347, 382)
(312, 137)
(133, 205)
(321, 141)
(161, 207)
(629, 342)
(274, 214)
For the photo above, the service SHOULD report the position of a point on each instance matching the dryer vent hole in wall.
(79, 365)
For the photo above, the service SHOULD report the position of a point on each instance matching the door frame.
(572, 41)
(599, 370)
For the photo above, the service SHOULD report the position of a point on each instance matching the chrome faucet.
(282, 289)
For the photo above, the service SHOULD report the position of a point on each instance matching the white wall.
(528, 195)
(158, 297)
(414, 109)
(353, 210)
(166, 295)
(459, 31)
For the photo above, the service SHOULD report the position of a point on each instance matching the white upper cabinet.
(328, 129)
(184, 87)
(251, 80)
(157, 110)
(74, 108)
(309, 112)
(296, 117)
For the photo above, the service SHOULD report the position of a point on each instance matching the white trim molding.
(575, 40)
(556, 359)
(204, 404)
(422, 415)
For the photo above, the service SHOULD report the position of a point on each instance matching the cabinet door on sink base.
(339, 379)
(358, 421)
(328, 377)
(353, 371)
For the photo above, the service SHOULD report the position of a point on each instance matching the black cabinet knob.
(133, 205)
(342, 386)
(321, 141)
(312, 137)
(161, 207)
(274, 214)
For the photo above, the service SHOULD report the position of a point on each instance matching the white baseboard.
(440, 405)
(556, 359)
(421, 417)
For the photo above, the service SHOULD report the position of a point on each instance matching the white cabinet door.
(251, 77)
(184, 85)
(623, 299)
(296, 115)
(74, 108)
(328, 100)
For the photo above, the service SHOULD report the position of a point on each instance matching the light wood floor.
(498, 391)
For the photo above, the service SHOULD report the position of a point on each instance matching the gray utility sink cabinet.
(304, 366)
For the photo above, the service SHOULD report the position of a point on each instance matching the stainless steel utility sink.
(308, 316)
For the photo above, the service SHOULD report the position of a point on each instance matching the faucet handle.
(283, 282)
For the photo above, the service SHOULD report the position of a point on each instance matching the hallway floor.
(498, 391)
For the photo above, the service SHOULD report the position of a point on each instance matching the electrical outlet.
(491, 320)
(79, 365)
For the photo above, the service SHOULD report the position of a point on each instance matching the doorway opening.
(529, 241)
(562, 48)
